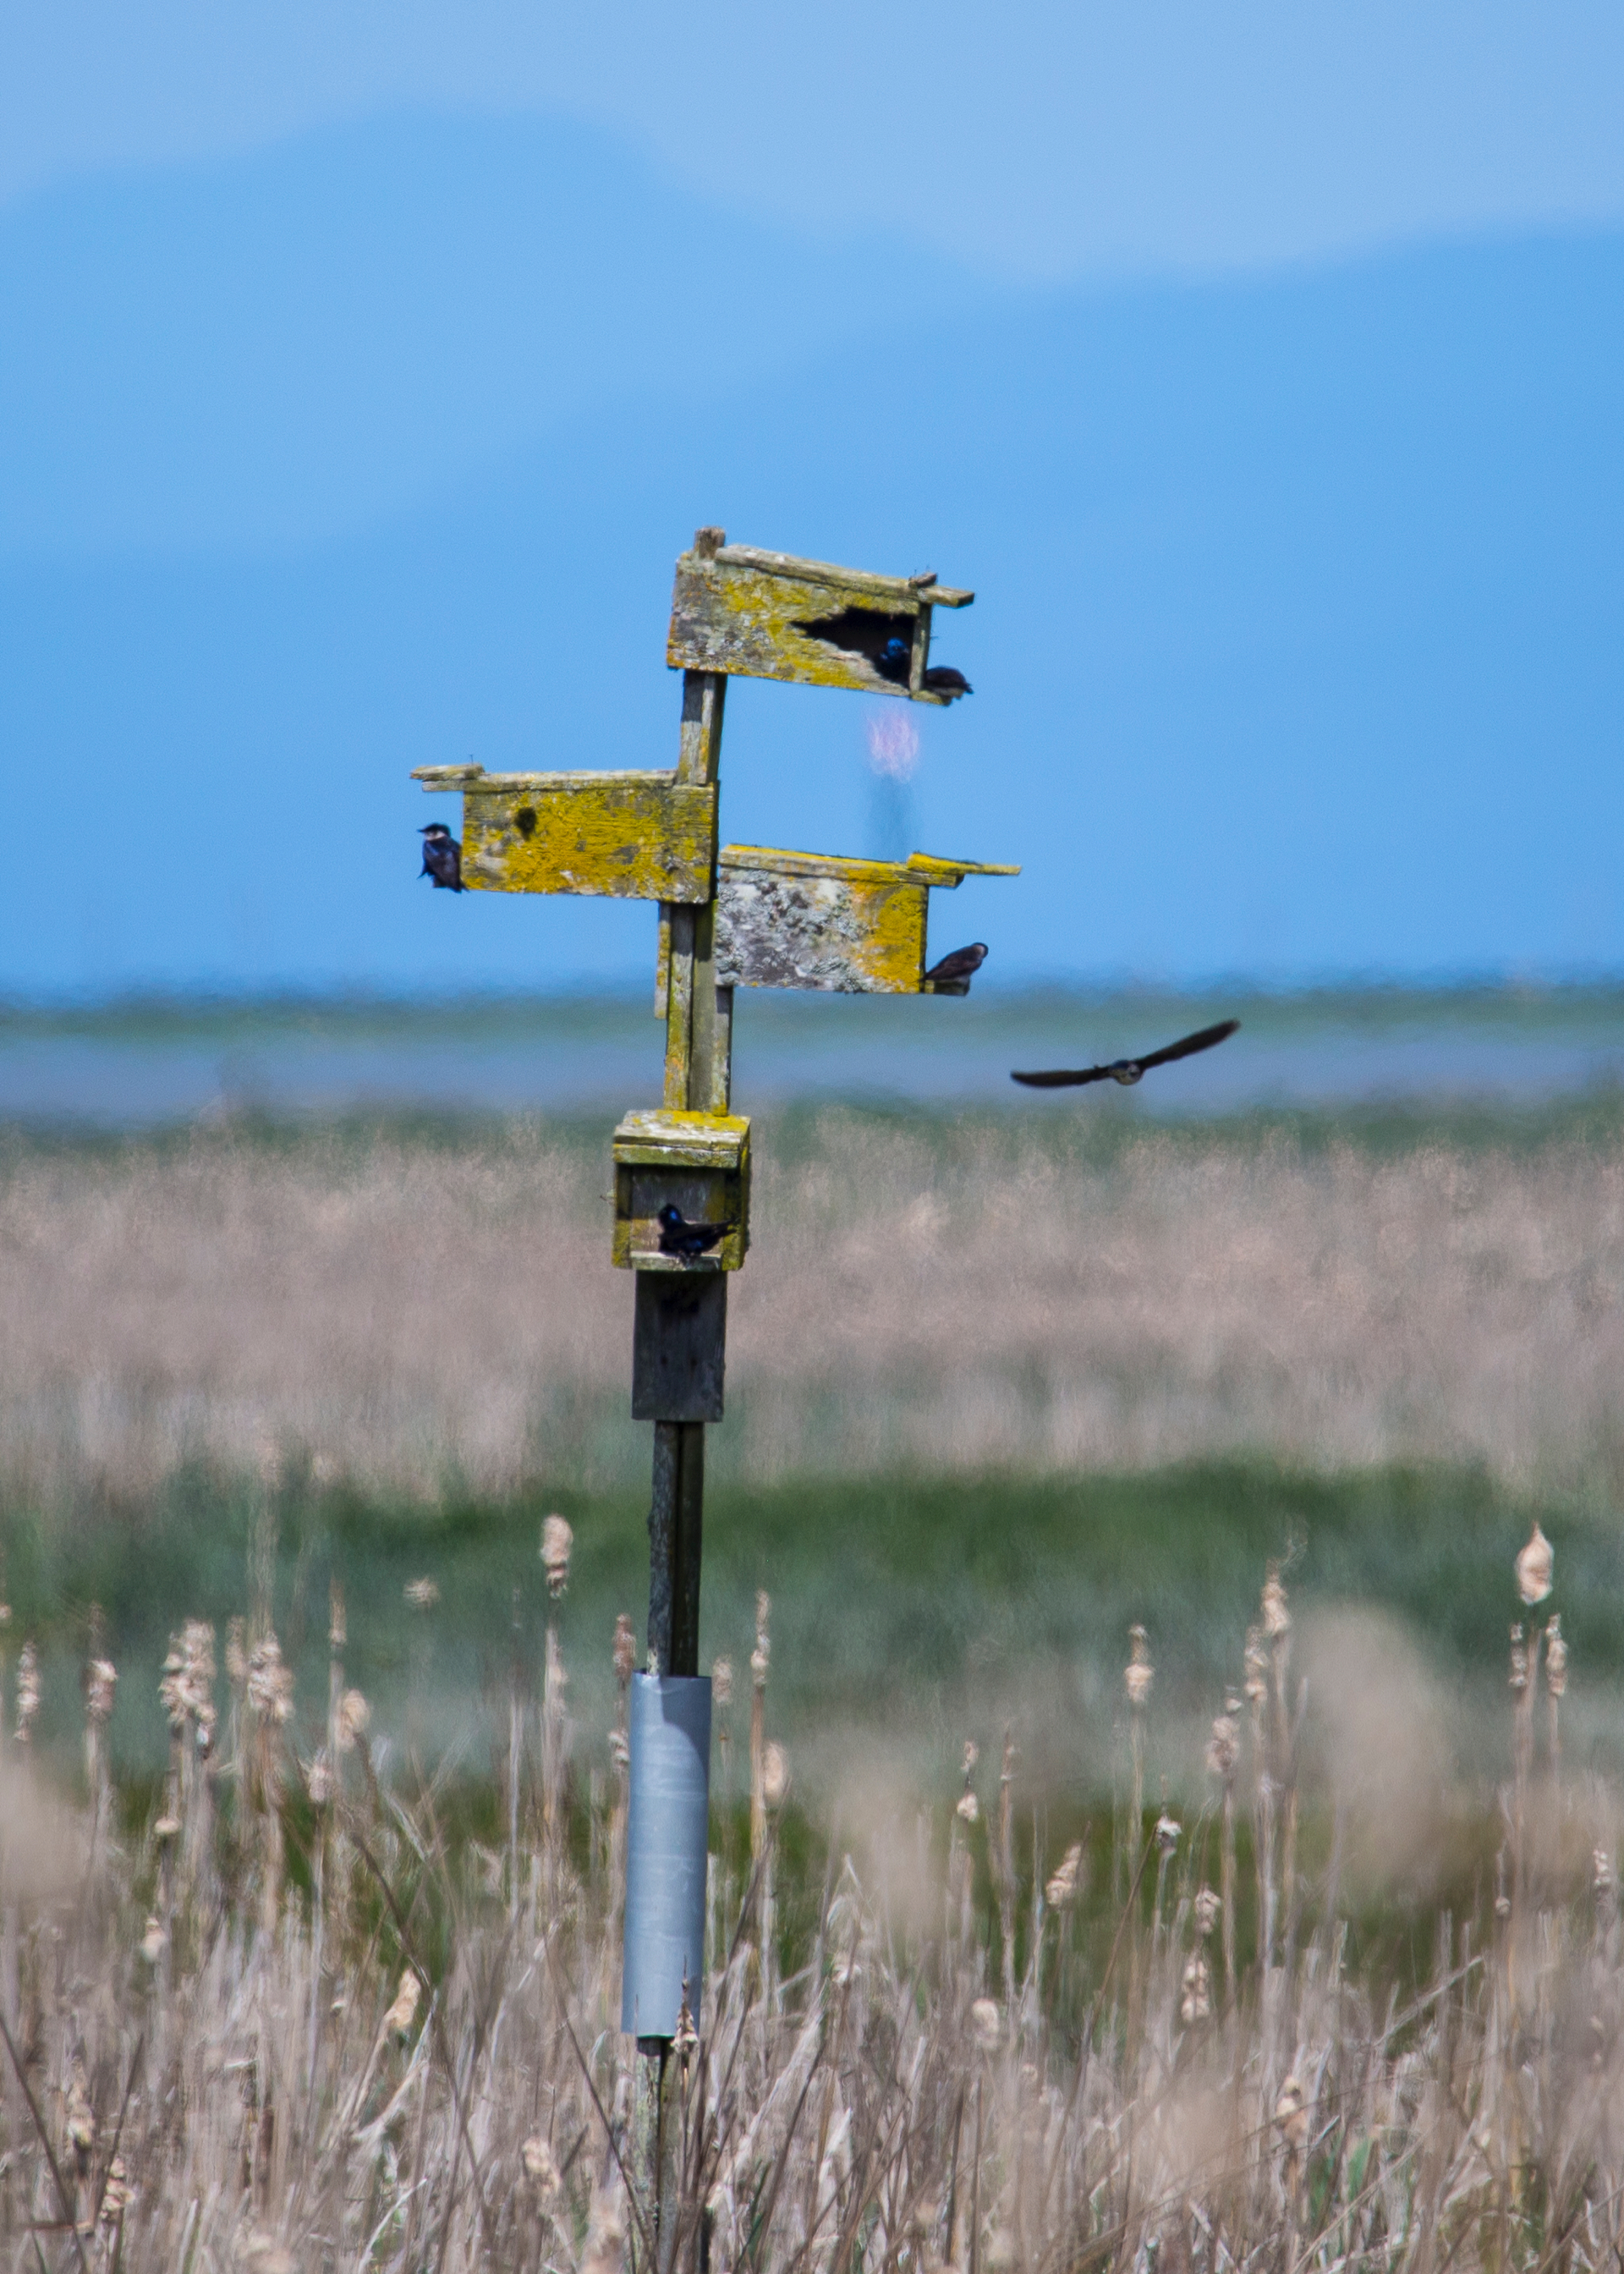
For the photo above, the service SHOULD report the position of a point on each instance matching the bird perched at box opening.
(1128, 1071)
(442, 858)
(942, 678)
(953, 974)
(678, 1237)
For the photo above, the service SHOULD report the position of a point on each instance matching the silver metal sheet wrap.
(666, 1843)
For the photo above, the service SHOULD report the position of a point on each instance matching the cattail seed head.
(775, 1774)
(1556, 1658)
(761, 1657)
(1535, 1566)
(1601, 1878)
(540, 2168)
(1196, 2002)
(27, 1692)
(1223, 1748)
(319, 1781)
(557, 1539)
(337, 1631)
(1139, 1673)
(1276, 1617)
(1067, 1883)
(101, 1680)
(403, 2012)
(270, 1681)
(1257, 1665)
(625, 1651)
(1208, 1907)
(1167, 1831)
(236, 1654)
(154, 1942)
(355, 1717)
(722, 1684)
(1291, 2114)
(422, 1595)
(986, 2025)
(117, 2193)
(968, 1808)
(1519, 1660)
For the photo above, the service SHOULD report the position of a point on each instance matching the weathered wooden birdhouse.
(697, 1162)
(632, 836)
(768, 615)
(814, 919)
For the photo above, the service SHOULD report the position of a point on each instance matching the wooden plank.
(839, 935)
(679, 1334)
(651, 1137)
(629, 836)
(817, 921)
(770, 617)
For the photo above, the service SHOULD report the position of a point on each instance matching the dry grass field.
(1298, 1950)
(411, 1311)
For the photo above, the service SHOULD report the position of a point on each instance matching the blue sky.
(365, 369)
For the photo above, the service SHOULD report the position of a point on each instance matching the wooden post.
(681, 1331)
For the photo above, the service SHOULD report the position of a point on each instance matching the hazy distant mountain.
(1297, 642)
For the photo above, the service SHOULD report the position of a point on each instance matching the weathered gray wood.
(678, 1355)
(826, 572)
(770, 617)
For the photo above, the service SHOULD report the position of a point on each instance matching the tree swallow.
(1128, 1071)
(442, 858)
(954, 973)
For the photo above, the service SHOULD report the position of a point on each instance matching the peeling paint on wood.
(768, 615)
(700, 1162)
(810, 919)
(632, 836)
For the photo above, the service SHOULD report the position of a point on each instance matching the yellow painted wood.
(631, 836)
(700, 1162)
(817, 921)
(756, 615)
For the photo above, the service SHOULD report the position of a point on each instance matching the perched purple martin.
(955, 972)
(942, 678)
(442, 858)
(678, 1237)
(1128, 1071)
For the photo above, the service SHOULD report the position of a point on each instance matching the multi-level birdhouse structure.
(736, 916)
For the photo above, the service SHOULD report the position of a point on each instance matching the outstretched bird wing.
(1203, 1039)
(1186, 1047)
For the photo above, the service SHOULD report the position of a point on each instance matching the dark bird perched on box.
(678, 1237)
(442, 858)
(942, 678)
(953, 976)
(1128, 1071)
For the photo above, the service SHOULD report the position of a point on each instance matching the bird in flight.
(678, 1237)
(1128, 1071)
(442, 858)
(954, 973)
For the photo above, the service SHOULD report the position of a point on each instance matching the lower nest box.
(697, 1164)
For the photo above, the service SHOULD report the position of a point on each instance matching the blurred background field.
(327, 1286)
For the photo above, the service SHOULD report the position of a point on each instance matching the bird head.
(670, 1215)
(1127, 1071)
(435, 830)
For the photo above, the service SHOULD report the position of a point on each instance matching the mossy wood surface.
(768, 615)
(629, 836)
(812, 920)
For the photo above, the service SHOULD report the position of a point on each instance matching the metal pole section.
(698, 1079)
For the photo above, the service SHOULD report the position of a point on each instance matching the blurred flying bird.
(678, 1237)
(957, 970)
(442, 858)
(1128, 1071)
(942, 678)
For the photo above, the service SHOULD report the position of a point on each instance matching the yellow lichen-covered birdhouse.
(696, 1163)
(632, 836)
